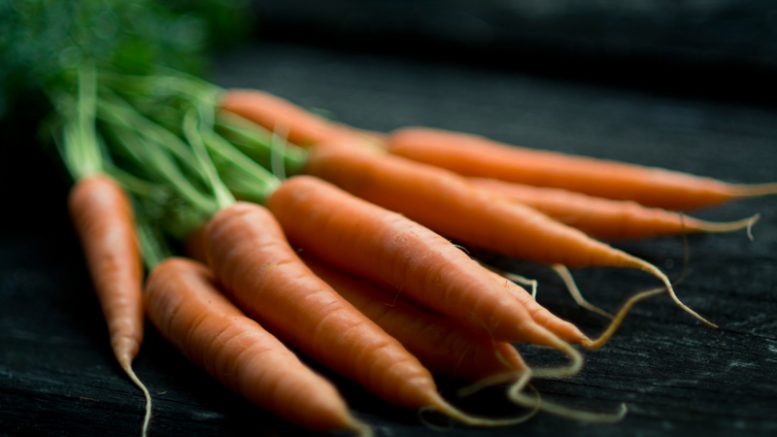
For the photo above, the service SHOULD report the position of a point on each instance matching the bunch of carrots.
(266, 229)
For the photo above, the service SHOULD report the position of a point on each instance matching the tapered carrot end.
(126, 365)
(655, 271)
(723, 227)
(755, 190)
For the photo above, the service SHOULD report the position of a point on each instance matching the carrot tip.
(721, 227)
(756, 190)
(569, 282)
(655, 271)
(619, 317)
(134, 378)
(360, 428)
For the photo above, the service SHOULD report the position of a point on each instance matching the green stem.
(257, 142)
(223, 197)
(116, 111)
(250, 179)
(152, 245)
(78, 143)
(164, 167)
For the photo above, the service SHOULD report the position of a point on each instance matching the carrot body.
(436, 341)
(605, 218)
(301, 127)
(102, 215)
(449, 205)
(386, 247)
(257, 267)
(472, 155)
(183, 302)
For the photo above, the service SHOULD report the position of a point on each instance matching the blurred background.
(717, 49)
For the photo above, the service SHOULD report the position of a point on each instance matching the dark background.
(682, 85)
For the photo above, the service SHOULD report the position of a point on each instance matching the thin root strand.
(620, 316)
(522, 399)
(569, 282)
(127, 367)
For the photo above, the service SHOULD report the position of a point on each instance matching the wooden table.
(58, 377)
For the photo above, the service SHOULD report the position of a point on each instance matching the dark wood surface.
(58, 377)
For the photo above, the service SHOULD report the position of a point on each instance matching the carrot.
(301, 127)
(448, 204)
(472, 155)
(102, 215)
(438, 342)
(606, 218)
(447, 349)
(182, 301)
(249, 254)
(386, 247)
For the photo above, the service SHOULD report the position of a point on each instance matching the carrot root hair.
(127, 367)
(516, 395)
(520, 378)
(755, 190)
(440, 405)
(569, 282)
(620, 316)
(723, 227)
(571, 369)
(655, 271)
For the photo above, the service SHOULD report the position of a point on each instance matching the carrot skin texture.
(441, 345)
(302, 127)
(472, 155)
(601, 217)
(103, 218)
(261, 272)
(386, 247)
(182, 301)
(448, 204)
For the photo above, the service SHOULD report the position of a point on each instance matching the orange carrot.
(438, 342)
(249, 254)
(102, 215)
(606, 218)
(386, 247)
(301, 127)
(182, 301)
(472, 155)
(448, 204)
